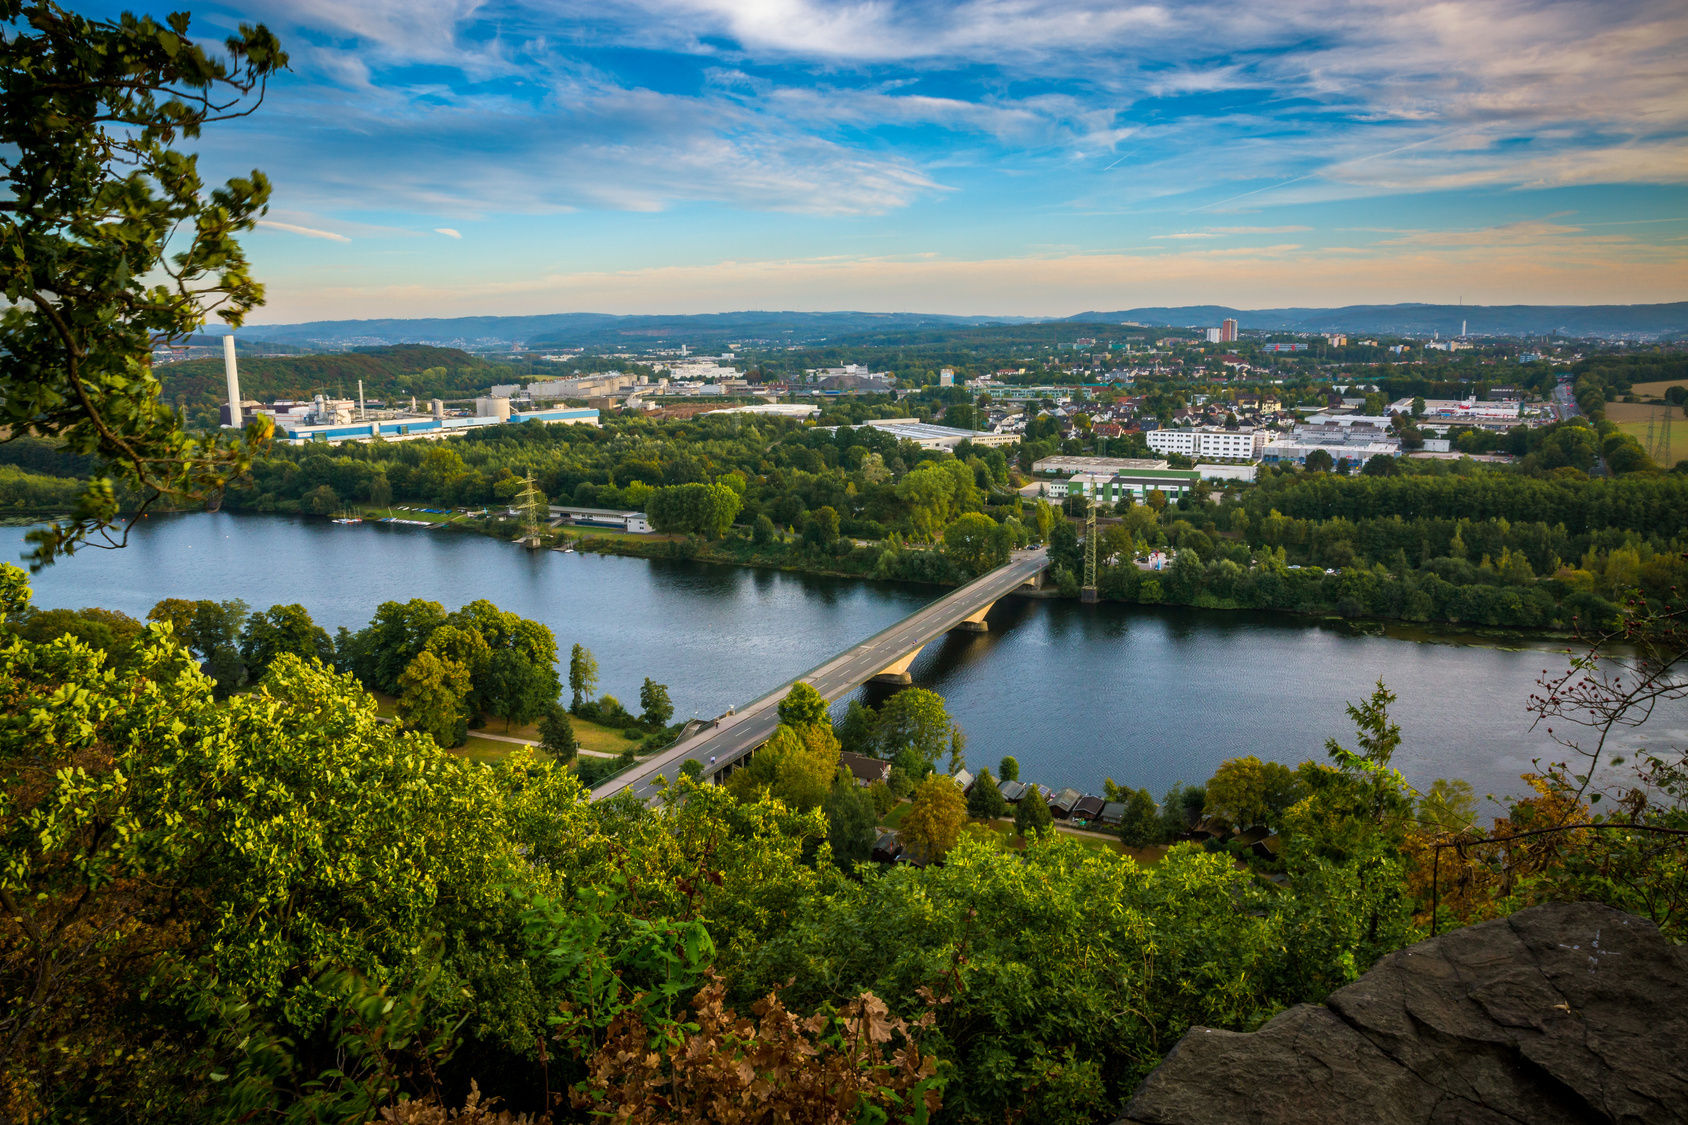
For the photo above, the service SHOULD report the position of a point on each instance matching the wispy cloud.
(448, 232)
(308, 232)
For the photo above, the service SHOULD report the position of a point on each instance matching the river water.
(1149, 696)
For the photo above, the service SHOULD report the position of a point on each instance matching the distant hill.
(1421, 320)
(407, 369)
(602, 329)
(712, 330)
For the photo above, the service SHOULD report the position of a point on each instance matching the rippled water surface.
(1146, 696)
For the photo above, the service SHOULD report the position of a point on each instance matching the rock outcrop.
(1565, 1013)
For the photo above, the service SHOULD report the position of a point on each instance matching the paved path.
(733, 736)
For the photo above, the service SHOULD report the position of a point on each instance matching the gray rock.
(1559, 1015)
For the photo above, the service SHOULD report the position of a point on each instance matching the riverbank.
(1147, 695)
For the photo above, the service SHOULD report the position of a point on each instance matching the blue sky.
(452, 157)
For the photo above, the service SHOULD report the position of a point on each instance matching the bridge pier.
(897, 673)
(975, 623)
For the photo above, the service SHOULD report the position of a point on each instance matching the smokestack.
(233, 376)
(363, 415)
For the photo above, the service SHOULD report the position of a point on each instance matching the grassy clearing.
(590, 736)
(410, 514)
(623, 536)
(1656, 390)
(1678, 433)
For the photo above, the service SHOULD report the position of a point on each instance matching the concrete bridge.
(722, 743)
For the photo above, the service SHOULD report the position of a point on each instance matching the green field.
(1678, 437)
(410, 514)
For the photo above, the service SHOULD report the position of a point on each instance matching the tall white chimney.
(362, 414)
(233, 376)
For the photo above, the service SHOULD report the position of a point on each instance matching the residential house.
(865, 769)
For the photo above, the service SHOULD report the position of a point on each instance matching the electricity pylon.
(528, 502)
(1087, 593)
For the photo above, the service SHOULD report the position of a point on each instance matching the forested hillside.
(388, 373)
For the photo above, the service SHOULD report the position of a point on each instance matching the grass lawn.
(609, 533)
(590, 736)
(1657, 389)
(410, 514)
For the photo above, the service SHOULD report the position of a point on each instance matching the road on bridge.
(733, 736)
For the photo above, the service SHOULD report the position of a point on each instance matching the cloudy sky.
(448, 157)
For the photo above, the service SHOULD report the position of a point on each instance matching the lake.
(1149, 696)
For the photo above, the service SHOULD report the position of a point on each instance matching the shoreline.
(676, 548)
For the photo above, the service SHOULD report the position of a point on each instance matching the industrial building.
(1229, 445)
(928, 436)
(336, 420)
(1066, 466)
(1111, 487)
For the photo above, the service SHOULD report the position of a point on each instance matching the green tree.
(822, 528)
(1247, 792)
(934, 824)
(915, 722)
(1319, 461)
(583, 675)
(1032, 816)
(802, 707)
(705, 509)
(977, 543)
(398, 632)
(517, 691)
(657, 708)
(97, 197)
(1141, 824)
(556, 734)
(762, 531)
(283, 628)
(798, 766)
(850, 817)
(431, 699)
(984, 799)
(857, 730)
(1009, 769)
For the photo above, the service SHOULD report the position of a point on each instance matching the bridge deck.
(733, 736)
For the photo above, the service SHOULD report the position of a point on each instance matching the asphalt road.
(747, 728)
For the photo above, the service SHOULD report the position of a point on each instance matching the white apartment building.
(1232, 445)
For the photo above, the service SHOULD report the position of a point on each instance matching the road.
(735, 734)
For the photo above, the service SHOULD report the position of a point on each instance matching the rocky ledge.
(1570, 1013)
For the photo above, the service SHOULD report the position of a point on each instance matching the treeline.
(26, 493)
(875, 485)
(1645, 503)
(391, 373)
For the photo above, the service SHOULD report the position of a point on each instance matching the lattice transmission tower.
(1087, 593)
(530, 502)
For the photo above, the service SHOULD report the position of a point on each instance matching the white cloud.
(448, 232)
(308, 232)
(847, 107)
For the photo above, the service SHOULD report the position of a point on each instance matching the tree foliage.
(111, 244)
